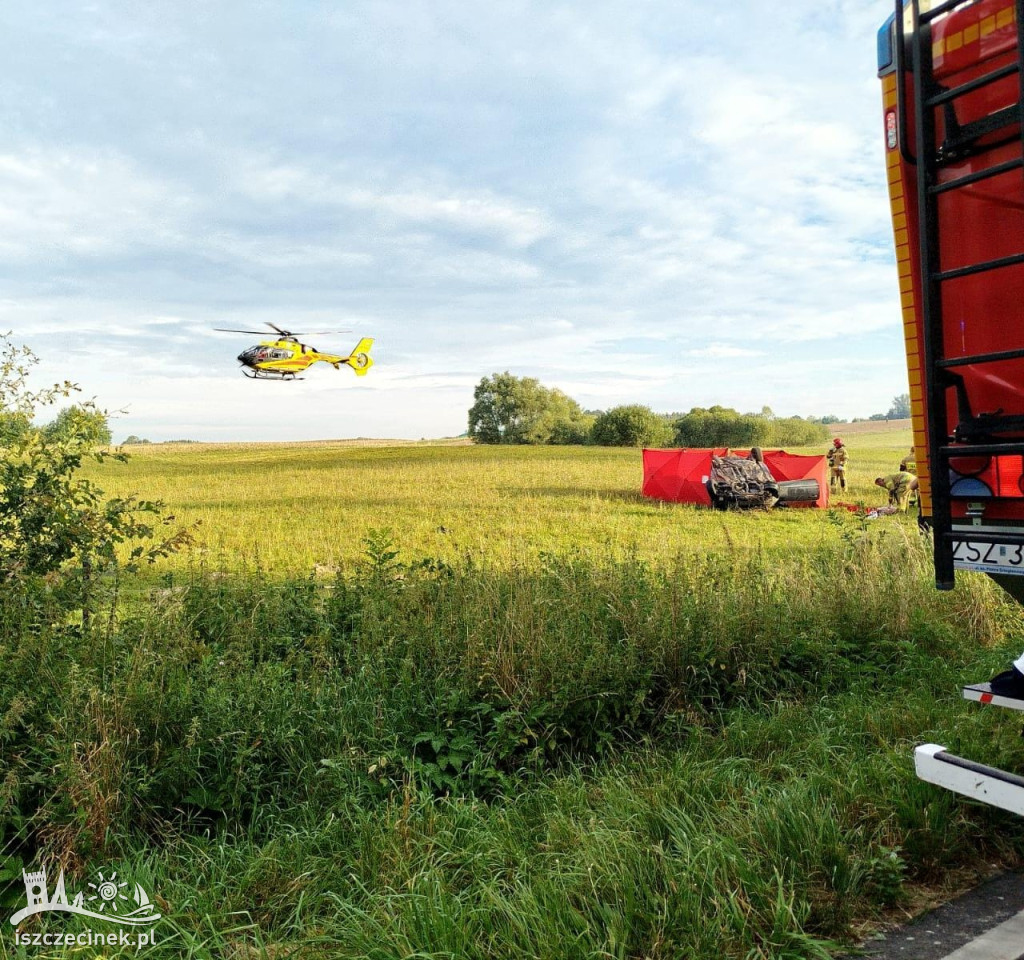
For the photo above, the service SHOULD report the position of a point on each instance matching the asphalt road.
(986, 923)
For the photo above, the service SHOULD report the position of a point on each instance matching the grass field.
(298, 505)
(460, 702)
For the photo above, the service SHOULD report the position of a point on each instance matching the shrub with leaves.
(60, 539)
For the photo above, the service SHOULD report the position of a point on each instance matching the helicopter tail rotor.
(360, 359)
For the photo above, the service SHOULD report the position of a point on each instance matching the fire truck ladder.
(973, 435)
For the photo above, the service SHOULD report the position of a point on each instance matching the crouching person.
(899, 486)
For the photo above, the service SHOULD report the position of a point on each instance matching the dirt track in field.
(870, 426)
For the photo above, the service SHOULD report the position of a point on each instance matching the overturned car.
(745, 482)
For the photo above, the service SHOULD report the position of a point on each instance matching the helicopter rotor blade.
(283, 333)
(260, 333)
(304, 333)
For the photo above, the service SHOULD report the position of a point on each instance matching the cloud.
(614, 199)
(481, 213)
(61, 206)
(719, 351)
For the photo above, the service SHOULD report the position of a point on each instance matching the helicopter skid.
(268, 375)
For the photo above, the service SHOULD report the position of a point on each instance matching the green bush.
(61, 543)
(80, 423)
(723, 427)
(632, 425)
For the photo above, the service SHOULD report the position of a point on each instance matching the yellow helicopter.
(283, 358)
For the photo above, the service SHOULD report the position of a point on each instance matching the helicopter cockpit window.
(263, 354)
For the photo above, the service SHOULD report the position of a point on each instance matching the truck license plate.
(989, 557)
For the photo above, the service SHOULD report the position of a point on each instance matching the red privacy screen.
(680, 476)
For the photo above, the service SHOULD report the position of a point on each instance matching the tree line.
(82, 421)
(520, 410)
(78, 420)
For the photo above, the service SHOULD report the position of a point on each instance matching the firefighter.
(909, 464)
(900, 486)
(837, 458)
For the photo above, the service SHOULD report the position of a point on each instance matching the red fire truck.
(952, 82)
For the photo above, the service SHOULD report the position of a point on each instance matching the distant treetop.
(510, 409)
(515, 410)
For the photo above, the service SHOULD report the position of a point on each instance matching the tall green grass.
(566, 755)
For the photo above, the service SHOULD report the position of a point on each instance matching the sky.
(634, 201)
